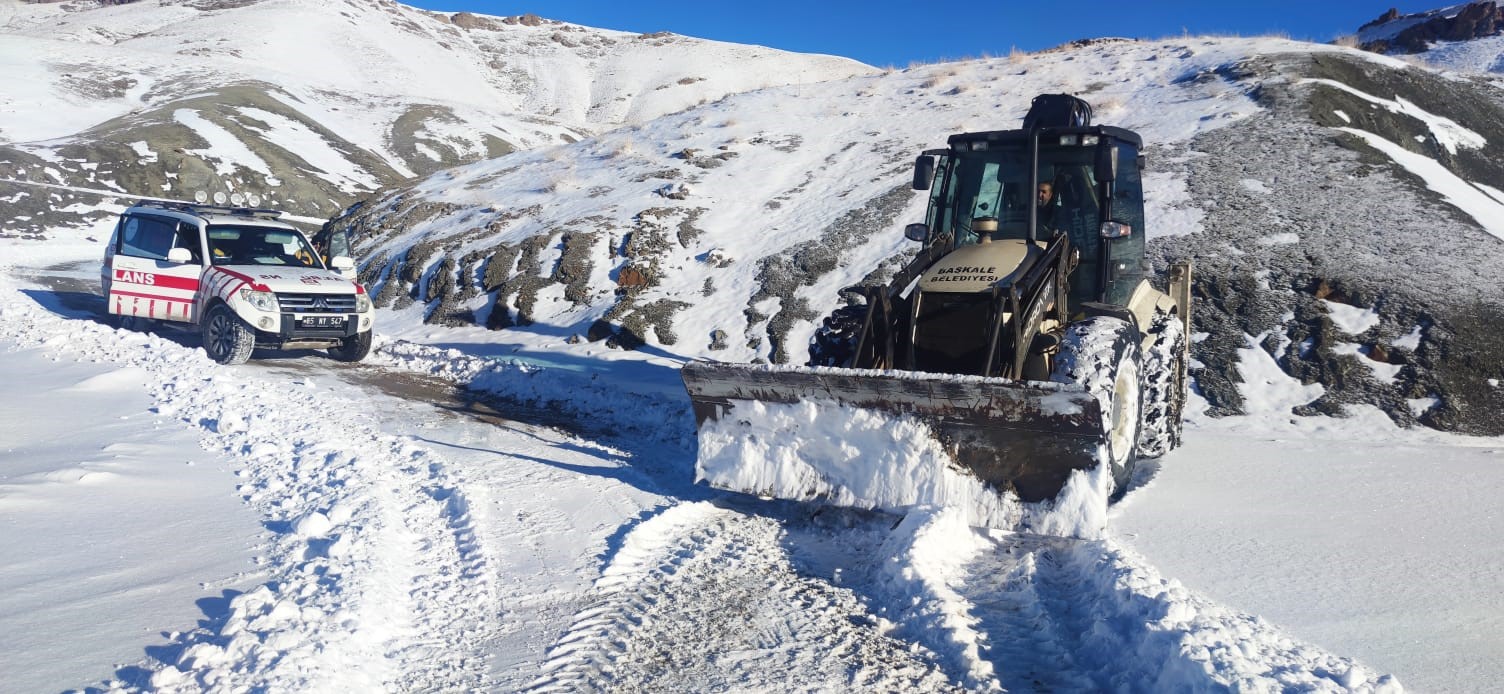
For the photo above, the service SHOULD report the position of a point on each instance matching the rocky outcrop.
(1475, 20)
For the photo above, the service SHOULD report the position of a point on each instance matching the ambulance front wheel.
(353, 348)
(227, 338)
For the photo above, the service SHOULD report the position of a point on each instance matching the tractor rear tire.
(227, 338)
(834, 343)
(1101, 354)
(1164, 390)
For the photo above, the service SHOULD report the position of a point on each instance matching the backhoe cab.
(1025, 229)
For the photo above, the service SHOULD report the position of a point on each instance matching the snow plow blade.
(787, 432)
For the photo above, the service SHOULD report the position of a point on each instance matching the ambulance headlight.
(362, 303)
(261, 301)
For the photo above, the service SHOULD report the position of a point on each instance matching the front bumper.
(311, 330)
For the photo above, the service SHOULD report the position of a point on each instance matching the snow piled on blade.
(847, 456)
(862, 458)
(1080, 510)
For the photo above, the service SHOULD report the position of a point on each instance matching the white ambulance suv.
(245, 279)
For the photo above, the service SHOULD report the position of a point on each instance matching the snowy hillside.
(311, 103)
(1314, 186)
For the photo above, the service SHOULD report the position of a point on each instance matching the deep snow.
(1375, 542)
(105, 505)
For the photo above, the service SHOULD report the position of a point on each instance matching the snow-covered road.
(409, 536)
(411, 546)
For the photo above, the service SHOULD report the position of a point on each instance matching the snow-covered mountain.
(1466, 38)
(312, 103)
(1343, 209)
(298, 524)
(630, 188)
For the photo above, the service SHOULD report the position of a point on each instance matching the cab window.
(258, 245)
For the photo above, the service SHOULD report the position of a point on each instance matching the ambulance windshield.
(257, 245)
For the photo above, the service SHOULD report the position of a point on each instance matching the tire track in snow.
(701, 598)
(451, 585)
(1022, 612)
(1022, 609)
(377, 559)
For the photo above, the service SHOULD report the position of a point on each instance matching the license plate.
(322, 321)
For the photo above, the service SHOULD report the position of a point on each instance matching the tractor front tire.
(834, 343)
(1164, 389)
(227, 338)
(1101, 354)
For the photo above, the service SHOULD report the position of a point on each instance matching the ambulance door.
(143, 282)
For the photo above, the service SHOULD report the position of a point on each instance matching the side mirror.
(180, 256)
(342, 262)
(918, 231)
(924, 172)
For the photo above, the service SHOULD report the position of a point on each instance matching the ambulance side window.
(147, 237)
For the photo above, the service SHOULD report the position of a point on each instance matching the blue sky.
(883, 32)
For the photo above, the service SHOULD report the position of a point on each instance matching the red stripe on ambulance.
(143, 295)
(257, 286)
(152, 279)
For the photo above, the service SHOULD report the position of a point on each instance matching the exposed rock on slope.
(1415, 33)
(163, 152)
(1306, 221)
(1463, 38)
